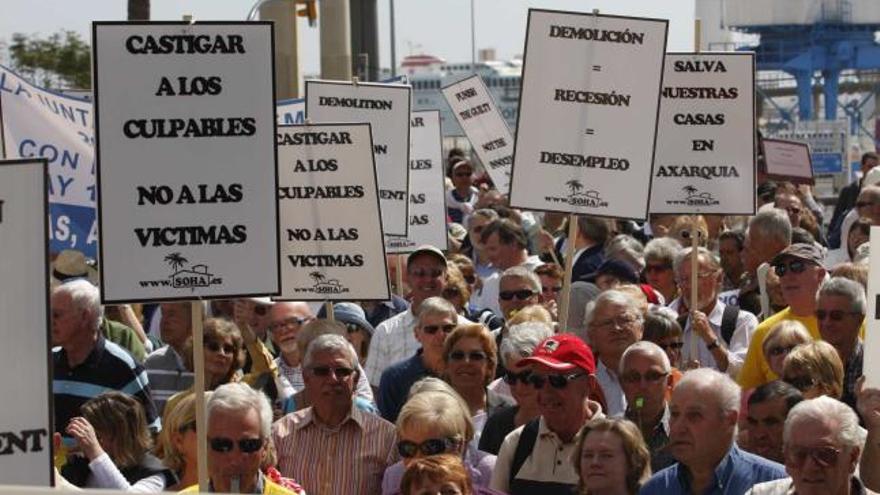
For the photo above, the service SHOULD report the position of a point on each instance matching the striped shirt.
(107, 368)
(168, 375)
(348, 459)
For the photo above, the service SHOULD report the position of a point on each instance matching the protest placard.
(25, 435)
(387, 108)
(427, 187)
(478, 115)
(705, 157)
(871, 366)
(787, 160)
(185, 130)
(331, 228)
(588, 113)
(39, 123)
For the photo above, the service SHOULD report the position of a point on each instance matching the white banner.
(331, 228)
(588, 113)
(871, 366)
(427, 187)
(291, 112)
(26, 438)
(387, 108)
(705, 157)
(39, 123)
(185, 130)
(478, 115)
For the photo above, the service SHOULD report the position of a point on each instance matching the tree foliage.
(61, 61)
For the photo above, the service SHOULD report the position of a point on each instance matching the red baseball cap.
(563, 352)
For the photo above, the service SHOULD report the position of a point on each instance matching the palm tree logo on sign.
(325, 286)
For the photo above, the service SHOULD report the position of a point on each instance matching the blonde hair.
(684, 223)
(437, 410)
(531, 313)
(819, 360)
(481, 333)
(180, 417)
(787, 332)
(638, 458)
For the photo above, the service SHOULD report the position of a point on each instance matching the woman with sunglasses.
(611, 458)
(780, 340)
(658, 272)
(815, 369)
(434, 422)
(176, 444)
(469, 358)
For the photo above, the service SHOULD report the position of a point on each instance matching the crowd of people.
(471, 380)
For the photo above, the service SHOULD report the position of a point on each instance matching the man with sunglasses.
(518, 287)
(506, 245)
(840, 309)
(801, 272)
(536, 457)
(769, 233)
(331, 447)
(822, 449)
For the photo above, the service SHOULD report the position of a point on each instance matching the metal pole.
(473, 41)
(393, 41)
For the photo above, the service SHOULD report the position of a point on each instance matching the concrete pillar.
(288, 79)
(334, 16)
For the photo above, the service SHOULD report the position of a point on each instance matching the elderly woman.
(815, 369)
(780, 340)
(176, 444)
(658, 272)
(611, 458)
(662, 328)
(435, 420)
(469, 358)
(113, 436)
(519, 344)
(358, 331)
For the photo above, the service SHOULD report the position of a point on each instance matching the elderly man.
(800, 272)
(768, 234)
(506, 245)
(715, 335)
(645, 375)
(536, 457)
(768, 407)
(518, 287)
(840, 309)
(331, 447)
(85, 363)
(703, 415)
(869, 409)
(614, 322)
(822, 448)
(166, 368)
(436, 320)
(239, 424)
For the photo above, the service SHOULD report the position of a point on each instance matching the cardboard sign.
(26, 438)
(39, 123)
(787, 160)
(387, 108)
(478, 115)
(331, 229)
(588, 113)
(705, 158)
(185, 130)
(427, 187)
(871, 366)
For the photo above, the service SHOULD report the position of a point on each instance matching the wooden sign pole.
(566, 282)
(199, 391)
(695, 241)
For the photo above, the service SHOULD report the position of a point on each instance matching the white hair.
(522, 273)
(84, 296)
(522, 339)
(330, 342)
(822, 409)
(615, 297)
(844, 287)
(771, 224)
(649, 349)
(713, 383)
(239, 398)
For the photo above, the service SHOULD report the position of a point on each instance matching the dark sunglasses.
(556, 381)
(686, 234)
(520, 295)
(511, 378)
(426, 272)
(339, 372)
(779, 350)
(834, 314)
(802, 383)
(795, 266)
(475, 356)
(823, 456)
(463, 174)
(245, 445)
(650, 377)
(432, 446)
(657, 268)
(676, 346)
(432, 329)
(216, 347)
(352, 328)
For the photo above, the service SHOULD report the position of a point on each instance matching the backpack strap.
(524, 447)
(728, 322)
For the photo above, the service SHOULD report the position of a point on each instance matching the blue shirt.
(737, 472)
(395, 384)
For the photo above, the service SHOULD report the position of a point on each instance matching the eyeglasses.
(802, 383)
(245, 445)
(520, 295)
(823, 456)
(686, 234)
(555, 381)
(217, 347)
(463, 174)
(700, 276)
(650, 377)
(339, 372)
(432, 329)
(780, 350)
(523, 376)
(795, 266)
(676, 346)
(475, 356)
(621, 321)
(834, 314)
(426, 272)
(432, 446)
(293, 321)
(657, 268)
(352, 328)
(261, 309)
(794, 210)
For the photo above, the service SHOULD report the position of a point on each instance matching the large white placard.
(705, 158)
(185, 130)
(331, 228)
(26, 445)
(387, 108)
(588, 113)
(427, 187)
(871, 366)
(478, 115)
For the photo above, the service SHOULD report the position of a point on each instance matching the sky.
(436, 27)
